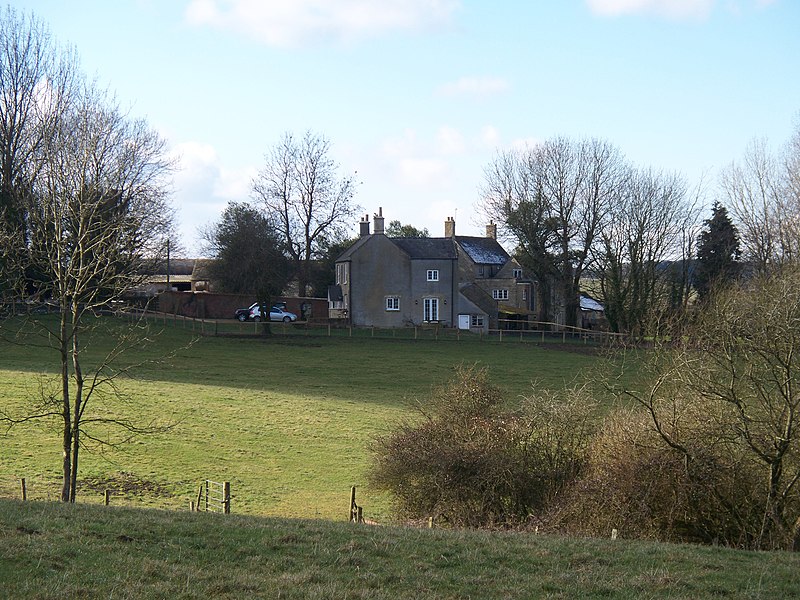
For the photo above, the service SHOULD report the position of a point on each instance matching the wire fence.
(509, 330)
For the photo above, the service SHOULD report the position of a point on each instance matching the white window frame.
(476, 321)
(430, 308)
(433, 274)
(501, 294)
(517, 273)
(341, 273)
(392, 303)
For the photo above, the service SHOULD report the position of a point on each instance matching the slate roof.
(431, 248)
(483, 250)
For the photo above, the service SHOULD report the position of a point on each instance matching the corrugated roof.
(483, 250)
(588, 303)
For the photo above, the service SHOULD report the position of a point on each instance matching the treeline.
(578, 211)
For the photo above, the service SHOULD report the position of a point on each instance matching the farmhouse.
(454, 281)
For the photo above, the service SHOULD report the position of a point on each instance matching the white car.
(275, 314)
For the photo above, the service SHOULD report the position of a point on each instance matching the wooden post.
(430, 522)
(206, 495)
(24, 490)
(226, 497)
(352, 503)
(191, 505)
(199, 496)
(106, 497)
(359, 515)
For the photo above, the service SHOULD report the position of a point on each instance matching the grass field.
(49, 550)
(287, 420)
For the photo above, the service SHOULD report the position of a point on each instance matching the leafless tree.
(552, 200)
(36, 80)
(300, 187)
(763, 194)
(97, 214)
(726, 400)
(647, 228)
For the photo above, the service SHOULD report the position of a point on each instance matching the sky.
(417, 97)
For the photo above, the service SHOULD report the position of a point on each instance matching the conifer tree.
(718, 252)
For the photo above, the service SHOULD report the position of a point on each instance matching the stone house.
(454, 281)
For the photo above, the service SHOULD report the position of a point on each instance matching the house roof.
(438, 248)
(483, 250)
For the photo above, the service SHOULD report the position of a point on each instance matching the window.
(524, 293)
(341, 273)
(517, 273)
(431, 306)
(500, 294)
(433, 275)
(480, 271)
(476, 321)
(392, 303)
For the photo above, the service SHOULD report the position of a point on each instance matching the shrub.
(469, 463)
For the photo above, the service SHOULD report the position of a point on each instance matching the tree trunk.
(77, 404)
(66, 443)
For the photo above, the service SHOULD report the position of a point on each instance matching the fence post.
(206, 495)
(106, 497)
(24, 490)
(352, 503)
(191, 505)
(226, 497)
(199, 496)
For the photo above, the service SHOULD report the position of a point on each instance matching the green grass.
(48, 550)
(287, 420)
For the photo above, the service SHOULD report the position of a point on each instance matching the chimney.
(379, 221)
(450, 227)
(491, 230)
(364, 225)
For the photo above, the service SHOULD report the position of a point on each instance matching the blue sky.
(417, 96)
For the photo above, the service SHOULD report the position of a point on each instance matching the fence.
(214, 496)
(509, 331)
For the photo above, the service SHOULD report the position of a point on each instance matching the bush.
(469, 463)
(637, 484)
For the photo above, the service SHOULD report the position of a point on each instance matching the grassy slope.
(49, 550)
(286, 420)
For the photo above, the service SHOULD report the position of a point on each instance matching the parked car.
(276, 313)
(243, 314)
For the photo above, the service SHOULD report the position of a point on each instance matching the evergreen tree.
(718, 252)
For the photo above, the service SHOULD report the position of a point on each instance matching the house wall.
(380, 270)
(444, 290)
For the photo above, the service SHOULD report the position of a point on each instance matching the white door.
(463, 321)
(431, 309)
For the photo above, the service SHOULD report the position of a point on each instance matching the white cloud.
(203, 187)
(672, 9)
(289, 23)
(449, 141)
(474, 86)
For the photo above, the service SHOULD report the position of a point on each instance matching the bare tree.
(725, 400)
(302, 191)
(97, 214)
(553, 200)
(646, 229)
(763, 194)
(36, 80)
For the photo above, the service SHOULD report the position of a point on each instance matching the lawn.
(50, 550)
(287, 419)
